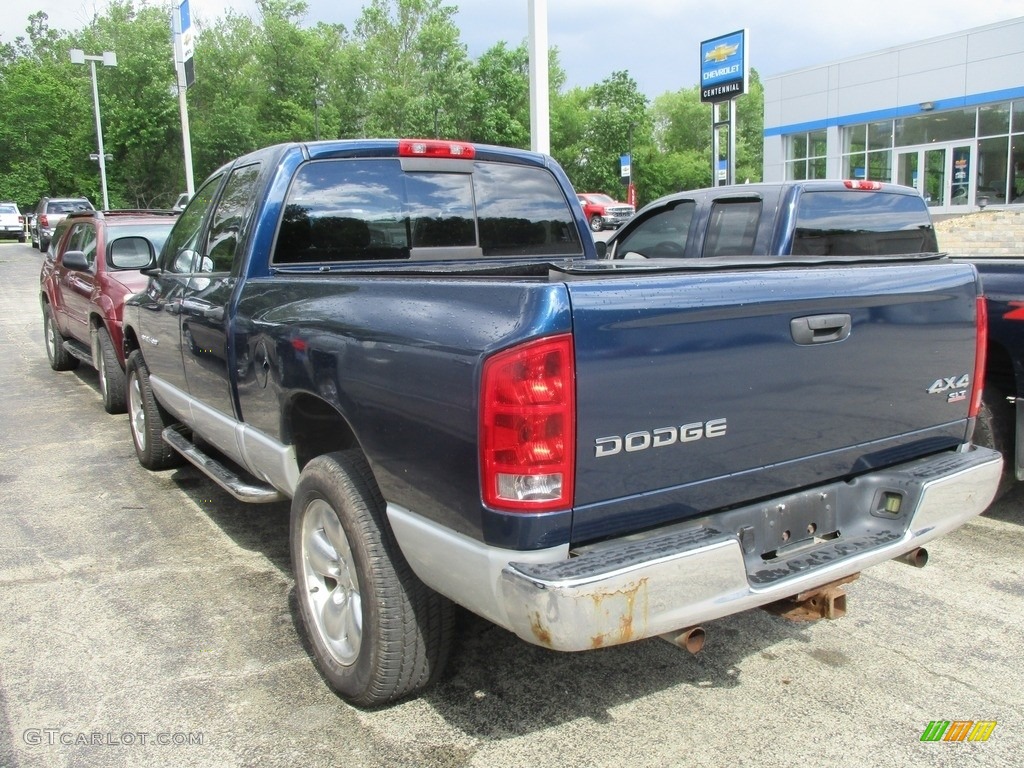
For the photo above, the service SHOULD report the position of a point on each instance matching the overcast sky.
(656, 41)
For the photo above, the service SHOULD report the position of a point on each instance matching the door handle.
(820, 329)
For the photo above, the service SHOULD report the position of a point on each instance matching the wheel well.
(315, 428)
(130, 342)
(999, 370)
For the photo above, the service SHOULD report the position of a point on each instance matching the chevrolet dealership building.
(944, 115)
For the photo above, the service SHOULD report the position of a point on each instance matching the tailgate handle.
(820, 329)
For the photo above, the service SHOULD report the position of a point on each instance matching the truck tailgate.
(700, 391)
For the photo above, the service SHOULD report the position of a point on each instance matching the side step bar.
(250, 490)
(78, 350)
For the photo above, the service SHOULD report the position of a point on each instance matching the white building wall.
(961, 69)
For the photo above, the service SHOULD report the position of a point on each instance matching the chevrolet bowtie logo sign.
(721, 52)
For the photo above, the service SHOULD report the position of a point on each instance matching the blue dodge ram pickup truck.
(415, 342)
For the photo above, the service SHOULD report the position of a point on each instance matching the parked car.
(12, 223)
(182, 201)
(603, 211)
(91, 269)
(49, 213)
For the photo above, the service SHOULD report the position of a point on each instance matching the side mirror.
(75, 260)
(602, 249)
(133, 252)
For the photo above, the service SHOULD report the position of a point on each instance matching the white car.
(12, 223)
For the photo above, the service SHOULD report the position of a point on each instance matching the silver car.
(49, 213)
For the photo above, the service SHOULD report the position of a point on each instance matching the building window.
(867, 151)
(935, 127)
(995, 130)
(805, 155)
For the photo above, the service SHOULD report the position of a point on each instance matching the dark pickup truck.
(1001, 420)
(828, 219)
(416, 343)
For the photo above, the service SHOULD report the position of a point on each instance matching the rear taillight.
(42, 220)
(527, 427)
(980, 353)
(458, 150)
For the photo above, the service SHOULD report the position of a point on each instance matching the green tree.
(416, 71)
(224, 102)
(139, 113)
(500, 108)
(593, 127)
(402, 71)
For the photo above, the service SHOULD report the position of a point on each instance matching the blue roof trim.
(958, 102)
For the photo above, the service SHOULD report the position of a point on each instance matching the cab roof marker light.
(436, 148)
(866, 185)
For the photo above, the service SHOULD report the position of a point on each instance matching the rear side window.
(854, 223)
(370, 210)
(732, 228)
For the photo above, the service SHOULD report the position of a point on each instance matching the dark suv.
(49, 213)
(91, 269)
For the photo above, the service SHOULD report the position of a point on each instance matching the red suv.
(92, 268)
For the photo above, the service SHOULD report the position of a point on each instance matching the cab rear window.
(371, 210)
(851, 223)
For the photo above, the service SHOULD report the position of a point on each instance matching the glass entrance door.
(942, 174)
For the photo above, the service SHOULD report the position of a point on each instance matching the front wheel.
(596, 223)
(147, 418)
(377, 632)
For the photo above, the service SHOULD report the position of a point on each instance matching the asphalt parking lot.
(148, 619)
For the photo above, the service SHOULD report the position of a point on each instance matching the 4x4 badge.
(956, 386)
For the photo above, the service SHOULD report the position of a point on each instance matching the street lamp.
(109, 59)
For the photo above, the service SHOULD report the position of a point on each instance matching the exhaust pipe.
(691, 639)
(915, 557)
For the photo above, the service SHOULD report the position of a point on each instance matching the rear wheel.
(377, 632)
(112, 378)
(596, 223)
(60, 359)
(147, 418)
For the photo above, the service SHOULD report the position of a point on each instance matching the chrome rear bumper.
(645, 586)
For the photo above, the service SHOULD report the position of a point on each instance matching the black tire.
(596, 223)
(377, 632)
(60, 359)
(43, 244)
(112, 378)
(996, 428)
(147, 418)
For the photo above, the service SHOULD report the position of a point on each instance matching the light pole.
(109, 59)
